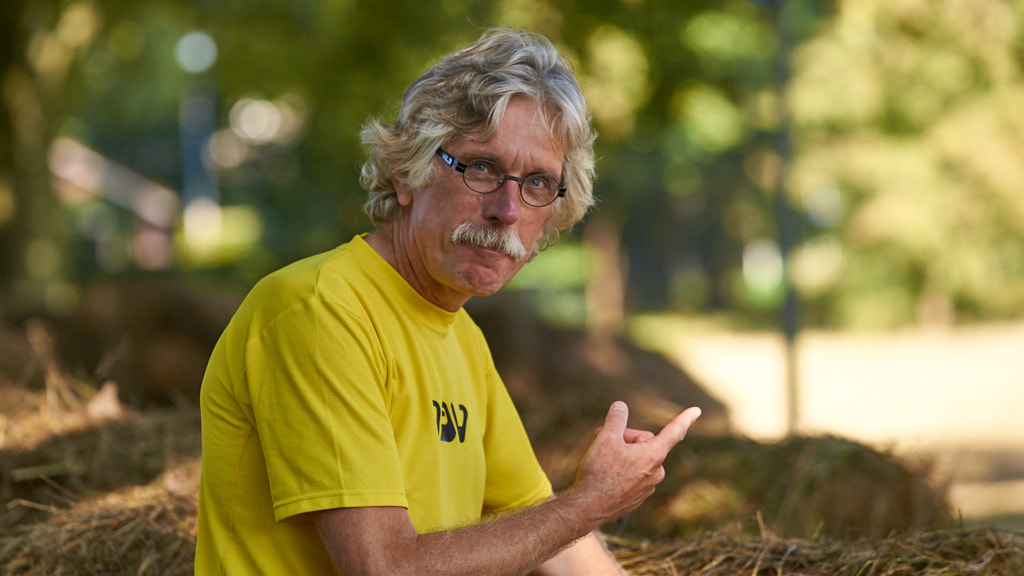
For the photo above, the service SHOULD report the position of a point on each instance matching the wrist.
(580, 510)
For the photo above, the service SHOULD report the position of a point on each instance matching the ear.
(402, 189)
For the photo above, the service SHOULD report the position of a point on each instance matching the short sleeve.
(318, 385)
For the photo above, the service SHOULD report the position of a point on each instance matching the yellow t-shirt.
(337, 385)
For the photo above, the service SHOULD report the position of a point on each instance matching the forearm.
(508, 544)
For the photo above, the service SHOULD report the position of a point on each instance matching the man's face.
(448, 272)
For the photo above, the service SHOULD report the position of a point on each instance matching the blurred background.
(812, 210)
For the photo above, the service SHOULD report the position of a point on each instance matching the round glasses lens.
(539, 190)
(482, 176)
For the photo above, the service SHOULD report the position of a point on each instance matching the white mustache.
(491, 237)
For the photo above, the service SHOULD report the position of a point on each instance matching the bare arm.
(619, 471)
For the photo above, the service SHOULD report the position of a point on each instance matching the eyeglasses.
(483, 177)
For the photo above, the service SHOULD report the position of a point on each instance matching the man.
(352, 416)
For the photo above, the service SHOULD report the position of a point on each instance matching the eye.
(541, 183)
(483, 170)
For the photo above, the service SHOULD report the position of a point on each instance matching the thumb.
(615, 421)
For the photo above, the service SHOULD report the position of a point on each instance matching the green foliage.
(921, 133)
(905, 116)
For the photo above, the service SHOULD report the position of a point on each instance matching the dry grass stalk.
(726, 553)
(58, 388)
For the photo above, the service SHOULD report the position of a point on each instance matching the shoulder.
(303, 287)
(315, 276)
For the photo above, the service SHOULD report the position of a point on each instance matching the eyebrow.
(476, 155)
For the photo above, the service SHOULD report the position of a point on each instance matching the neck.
(388, 243)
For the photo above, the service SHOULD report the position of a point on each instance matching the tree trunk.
(606, 287)
(32, 249)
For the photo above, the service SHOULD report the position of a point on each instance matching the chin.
(482, 289)
(486, 286)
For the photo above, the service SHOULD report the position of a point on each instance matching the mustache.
(497, 238)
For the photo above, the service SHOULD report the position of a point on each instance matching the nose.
(502, 205)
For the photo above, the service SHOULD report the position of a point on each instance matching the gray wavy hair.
(466, 93)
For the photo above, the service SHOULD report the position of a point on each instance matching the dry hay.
(87, 458)
(139, 531)
(803, 487)
(722, 553)
(151, 530)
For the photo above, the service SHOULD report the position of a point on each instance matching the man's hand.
(623, 466)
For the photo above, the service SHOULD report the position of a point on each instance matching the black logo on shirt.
(448, 421)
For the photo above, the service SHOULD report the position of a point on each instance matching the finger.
(615, 421)
(675, 430)
(632, 436)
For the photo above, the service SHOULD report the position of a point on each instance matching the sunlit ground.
(955, 396)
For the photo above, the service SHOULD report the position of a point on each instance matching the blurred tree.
(110, 73)
(914, 142)
(683, 96)
(911, 133)
(39, 42)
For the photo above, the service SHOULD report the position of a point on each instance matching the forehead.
(523, 138)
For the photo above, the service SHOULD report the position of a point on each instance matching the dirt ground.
(955, 396)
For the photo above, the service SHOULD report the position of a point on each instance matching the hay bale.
(85, 457)
(802, 488)
(138, 531)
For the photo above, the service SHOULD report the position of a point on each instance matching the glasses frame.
(461, 168)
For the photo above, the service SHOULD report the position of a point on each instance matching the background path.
(953, 396)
